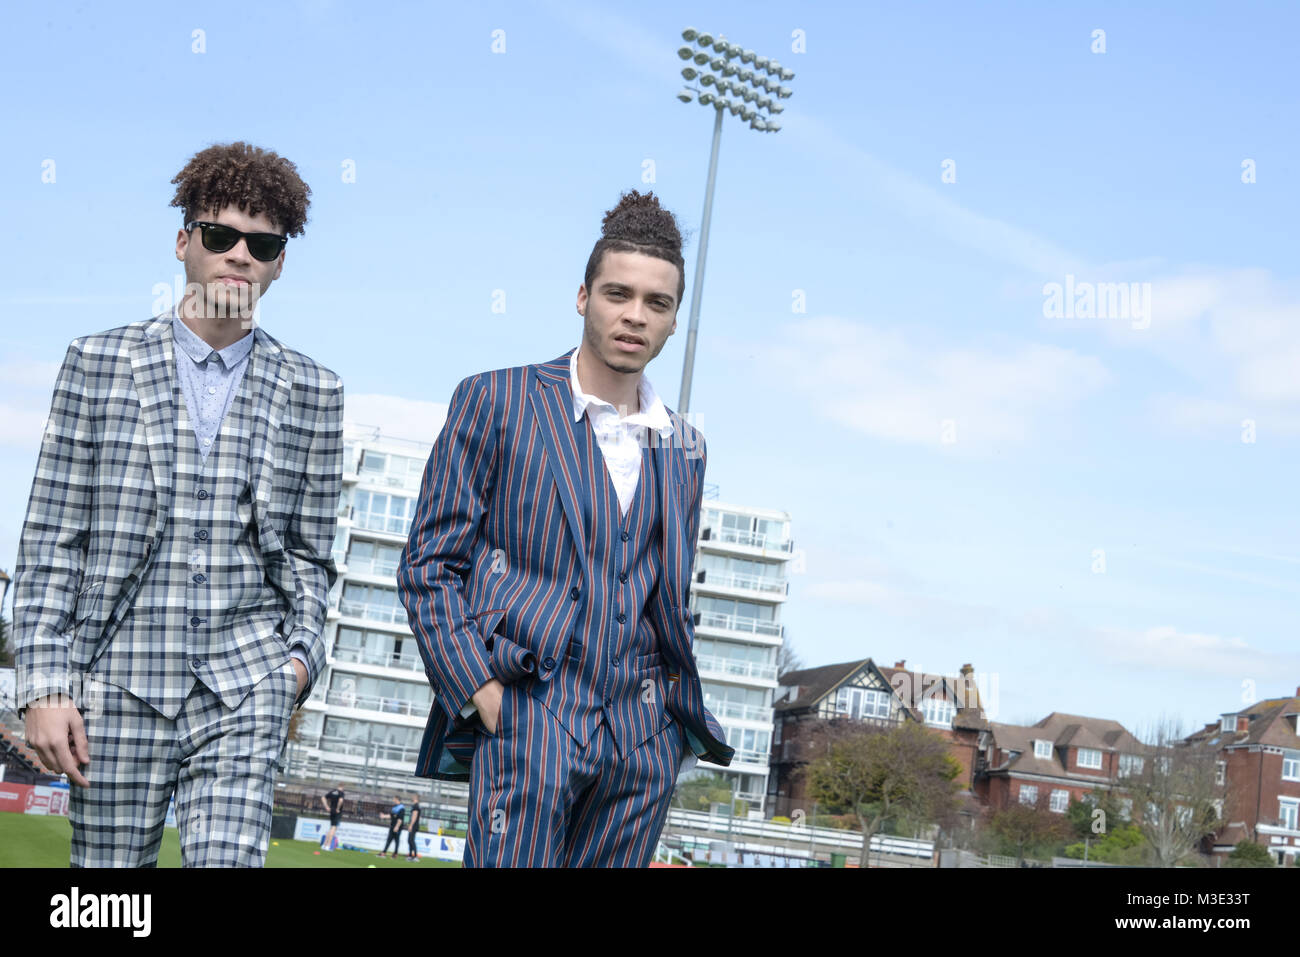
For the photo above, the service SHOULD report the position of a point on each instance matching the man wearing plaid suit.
(174, 567)
(546, 579)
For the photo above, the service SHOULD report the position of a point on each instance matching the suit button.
(548, 663)
(621, 618)
(197, 663)
(574, 593)
(201, 535)
(615, 662)
(622, 576)
(625, 536)
(196, 621)
(203, 493)
(200, 579)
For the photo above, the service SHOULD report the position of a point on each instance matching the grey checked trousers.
(221, 763)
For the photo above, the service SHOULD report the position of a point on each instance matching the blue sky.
(479, 171)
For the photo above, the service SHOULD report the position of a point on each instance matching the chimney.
(900, 663)
(1297, 691)
(967, 670)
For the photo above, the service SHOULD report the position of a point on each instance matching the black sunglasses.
(218, 239)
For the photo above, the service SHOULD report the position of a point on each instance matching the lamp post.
(730, 79)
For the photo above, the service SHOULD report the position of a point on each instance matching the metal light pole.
(736, 86)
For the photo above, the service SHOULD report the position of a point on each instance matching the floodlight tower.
(730, 79)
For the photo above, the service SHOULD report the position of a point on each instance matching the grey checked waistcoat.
(205, 611)
(612, 668)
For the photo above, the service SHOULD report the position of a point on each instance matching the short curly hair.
(252, 179)
(638, 224)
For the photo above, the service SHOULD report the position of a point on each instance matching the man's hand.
(54, 730)
(301, 672)
(488, 701)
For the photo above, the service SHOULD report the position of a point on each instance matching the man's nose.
(239, 252)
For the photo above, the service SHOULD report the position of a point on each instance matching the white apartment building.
(738, 587)
(367, 714)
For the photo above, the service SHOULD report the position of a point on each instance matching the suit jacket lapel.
(552, 401)
(152, 368)
(271, 382)
(670, 507)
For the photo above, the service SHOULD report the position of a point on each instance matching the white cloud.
(889, 386)
(1165, 648)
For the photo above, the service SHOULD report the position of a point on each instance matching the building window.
(862, 703)
(1130, 765)
(1291, 765)
(1060, 800)
(938, 711)
(875, 704)
(1288, 811)
(1228, 723)
(1028, 794)
(1220, 771)
(1042, 749)
(1126, 808)
(1089, 758)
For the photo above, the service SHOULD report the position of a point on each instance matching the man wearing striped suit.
(547, 574)
(174, 568)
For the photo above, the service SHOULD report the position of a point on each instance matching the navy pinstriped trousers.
(539, 799)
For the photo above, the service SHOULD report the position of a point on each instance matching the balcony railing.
(737, 711)
(407, 481)
(729, 667)
(376, 750)
(373, 566)
(387, 659)
(754, 626)
(350, 699)
(750, 757)
(748, 582)
(390, 614)
(734, 536)
(381, 522)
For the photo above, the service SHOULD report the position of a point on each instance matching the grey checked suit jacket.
(102, 493)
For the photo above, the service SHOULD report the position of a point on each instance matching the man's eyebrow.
(613, 284)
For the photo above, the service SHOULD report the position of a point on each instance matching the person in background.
(413, 830)
(395, 815)
(333, 802)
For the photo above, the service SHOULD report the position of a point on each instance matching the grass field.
(30, 840)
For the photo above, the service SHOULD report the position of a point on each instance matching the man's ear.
(582, 297)
(182, 244)
(279, 266)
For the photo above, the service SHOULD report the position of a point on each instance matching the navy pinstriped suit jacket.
(497, 546)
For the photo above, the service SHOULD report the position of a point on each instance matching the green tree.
(699, 792)
(1029, 829)
(1094, 817)
(879, 774)
(1122, 844)
(6, 656)
(1249, 854)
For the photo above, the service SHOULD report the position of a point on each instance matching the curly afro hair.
(252, 179)
(638, 224)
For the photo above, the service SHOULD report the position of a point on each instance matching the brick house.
(865, 692)
(1062, 757)
(1259, 765)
